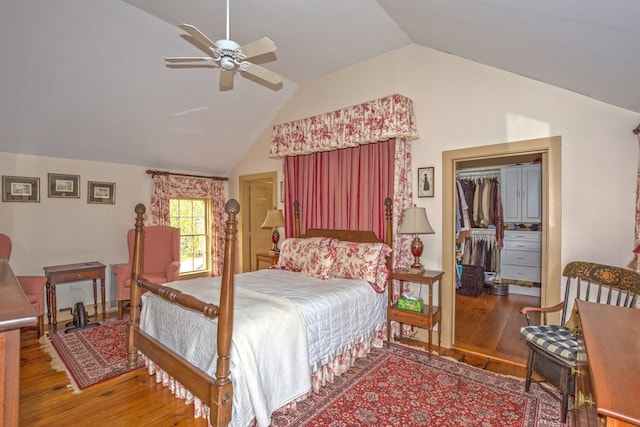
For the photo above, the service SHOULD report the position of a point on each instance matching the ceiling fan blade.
(258, 47)
(261, 73)
(197, 34)
(189, 59)
(198, 44)
(226, 79)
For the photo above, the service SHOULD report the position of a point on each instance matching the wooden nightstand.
(266, 257)
(430, 315)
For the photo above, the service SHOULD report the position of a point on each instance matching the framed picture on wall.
(425, 182)
(103, 193)
(67, 186)
(20, 189)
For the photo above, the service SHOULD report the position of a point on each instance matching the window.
(191, 216)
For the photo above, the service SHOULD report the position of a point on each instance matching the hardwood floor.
(134, 399)
(490, 325)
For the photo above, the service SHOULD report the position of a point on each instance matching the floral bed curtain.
(166, 186)
(389, 119)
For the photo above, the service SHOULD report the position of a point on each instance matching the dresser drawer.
(521, 257)
(520, 272)
(530, 245)
(523, 235)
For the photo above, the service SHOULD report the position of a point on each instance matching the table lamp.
(274, 220)
(416, 222)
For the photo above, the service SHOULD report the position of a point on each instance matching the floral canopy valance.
(373, 121)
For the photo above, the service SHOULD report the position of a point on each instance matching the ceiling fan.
(229, 56)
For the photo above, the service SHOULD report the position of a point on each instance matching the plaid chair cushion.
(554, 339)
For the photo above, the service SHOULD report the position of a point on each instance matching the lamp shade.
(415, 222)
(274, 219)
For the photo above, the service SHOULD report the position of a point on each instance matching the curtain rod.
(215, 178)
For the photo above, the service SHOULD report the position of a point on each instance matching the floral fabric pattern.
(296, 253)
(363, 261)
(378, 120)
(167, 186)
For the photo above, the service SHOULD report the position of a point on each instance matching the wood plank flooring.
(490, 325)
(134, 399)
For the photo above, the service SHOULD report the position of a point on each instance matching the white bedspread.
(285, 326)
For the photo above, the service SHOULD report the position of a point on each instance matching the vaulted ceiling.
(86, 79)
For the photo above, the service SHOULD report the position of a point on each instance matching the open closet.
(498, 245)
(502, 336)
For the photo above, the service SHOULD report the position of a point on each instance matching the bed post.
(296, 219)
(388, 217)
(223, 396)
(134, 295)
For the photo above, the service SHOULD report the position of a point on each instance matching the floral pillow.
(301, 254)
(318, 258)
(363, 261)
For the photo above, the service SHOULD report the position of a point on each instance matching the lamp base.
(415, 270)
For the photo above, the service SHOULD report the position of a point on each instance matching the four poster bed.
(245, 345)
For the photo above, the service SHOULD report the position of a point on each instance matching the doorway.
(257, 196)
(549, 150)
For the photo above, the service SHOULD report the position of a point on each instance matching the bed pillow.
(295, 252)
(318, 257)
(362, 261)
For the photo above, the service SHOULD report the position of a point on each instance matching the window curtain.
(167, 186)
(323, 155)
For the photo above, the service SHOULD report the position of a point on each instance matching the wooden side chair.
(553, 348)
(161, 263)
(33, 286)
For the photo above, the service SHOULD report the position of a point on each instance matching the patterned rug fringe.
(56, 362)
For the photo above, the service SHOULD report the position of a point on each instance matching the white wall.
(64, 231)
(459, 104)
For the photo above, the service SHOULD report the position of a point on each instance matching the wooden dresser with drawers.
(607, 381)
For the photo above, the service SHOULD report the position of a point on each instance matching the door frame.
(550, 150)
(245, 200)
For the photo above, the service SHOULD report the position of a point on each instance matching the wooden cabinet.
(607, 381)
(15, 312)
(521, 192)
(430, 315)
(520, 256)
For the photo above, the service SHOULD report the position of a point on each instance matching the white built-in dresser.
(520, 256)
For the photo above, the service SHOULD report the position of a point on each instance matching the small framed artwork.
(102, 193)
(20, 189)
(425, 182)
(67, 186)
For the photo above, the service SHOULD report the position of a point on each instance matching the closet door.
(521, 194)
(511, 182)
(532, 195)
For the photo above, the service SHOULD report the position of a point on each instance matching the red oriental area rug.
(91, 355)
(402, 386)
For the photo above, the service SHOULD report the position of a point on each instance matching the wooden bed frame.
(216, 392)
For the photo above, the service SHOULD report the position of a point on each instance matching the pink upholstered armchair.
(33, 286)
(161, 262)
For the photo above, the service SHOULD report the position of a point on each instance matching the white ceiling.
(86, 79)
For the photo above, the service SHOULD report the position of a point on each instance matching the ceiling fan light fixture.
(227, 63)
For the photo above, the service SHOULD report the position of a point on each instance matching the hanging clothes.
(484, 204)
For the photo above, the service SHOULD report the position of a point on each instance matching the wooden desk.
(15, 312)
(58, 274)
(430, 315)
(265, 257)
(607, 382)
